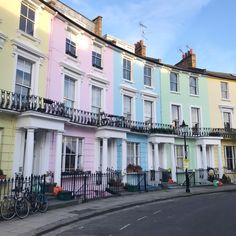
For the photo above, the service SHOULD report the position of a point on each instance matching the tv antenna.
(142, 29)
(181, 51)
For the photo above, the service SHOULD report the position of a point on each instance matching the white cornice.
(3, 38)
(30, 49)
(72, 68)
(98, 78)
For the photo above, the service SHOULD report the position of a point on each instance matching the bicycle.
(22, 207)
(8, 208)
(42, 202)
(14, 205)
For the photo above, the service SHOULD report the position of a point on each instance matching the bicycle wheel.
(43, 203)
(34, 204)
(8, 208)
(22, 208)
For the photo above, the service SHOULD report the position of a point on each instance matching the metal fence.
(19, 184)
(86, 185)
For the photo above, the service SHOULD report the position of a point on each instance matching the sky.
(206, 26)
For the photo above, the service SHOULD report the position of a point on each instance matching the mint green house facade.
(184, 97)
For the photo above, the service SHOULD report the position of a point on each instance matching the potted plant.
(133, 168)
(2, 176)
(130, 168)
(49, 185)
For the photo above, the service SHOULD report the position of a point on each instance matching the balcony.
(15, 102)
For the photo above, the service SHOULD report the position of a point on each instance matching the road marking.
(81, 227)
(125, 226)
(156, 212)
(141, 218)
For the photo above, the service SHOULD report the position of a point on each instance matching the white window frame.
(98, 49)
(177, 82)
(76, 76)
(127, 59)
(150, 120)
(227, 109)
(102, 83)
(136, 158)
(101, 95)
(66, 77)
(179, 158)
(79, 154)
(233, 151)
(226, 91)
(133, 102)
(145, 76)
(174, 122)
(230, 112)
(196, 93)
(24, 71)
(29, 6)
(200, 117)
(31, 54)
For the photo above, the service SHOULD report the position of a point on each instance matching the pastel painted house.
(222, 115)
(136, 89)
(24, 31)
(80, 76)
(184, 96)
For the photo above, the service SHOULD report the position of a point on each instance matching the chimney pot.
(188, 60)
(140, 48)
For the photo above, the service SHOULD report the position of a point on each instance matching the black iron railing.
(20, 103)
(19, 184)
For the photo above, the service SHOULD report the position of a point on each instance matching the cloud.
(165, 20)
(216, 58)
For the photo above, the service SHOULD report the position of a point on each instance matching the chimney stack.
(98, 25)
(140, 48)
(188, 60)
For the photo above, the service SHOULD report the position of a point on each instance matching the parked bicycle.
(38, 201)
(15, 204)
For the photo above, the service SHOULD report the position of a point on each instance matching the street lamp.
(185, 129)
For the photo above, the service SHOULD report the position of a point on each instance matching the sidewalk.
(40, 223)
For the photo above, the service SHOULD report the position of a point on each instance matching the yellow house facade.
(222, 105)
(24, 40)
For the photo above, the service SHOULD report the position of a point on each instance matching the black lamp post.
(184, 128)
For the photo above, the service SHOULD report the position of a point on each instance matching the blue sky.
(207, 26)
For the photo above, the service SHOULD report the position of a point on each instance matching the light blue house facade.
(136, 90)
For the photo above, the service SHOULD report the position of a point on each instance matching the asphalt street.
(212, 214)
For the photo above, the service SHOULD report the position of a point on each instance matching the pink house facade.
(80, 76)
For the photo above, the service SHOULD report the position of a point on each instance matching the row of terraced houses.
(73, 99)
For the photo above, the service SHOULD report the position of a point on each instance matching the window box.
(64, 195)
(133, 168)
(97, 66)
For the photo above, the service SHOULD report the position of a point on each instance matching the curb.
(64, 222)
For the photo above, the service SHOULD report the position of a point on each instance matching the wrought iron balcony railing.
(19, 103)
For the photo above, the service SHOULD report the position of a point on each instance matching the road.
(212, 214)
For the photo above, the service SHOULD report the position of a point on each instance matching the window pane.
(27, 79)
(22, 23)
(69, 91)
(148, 111)
(173, 82)
(23, 76)
(27, 19)
(31, 15)
(23, 10)
(175, 114)
(195, 117)
(127, 107)
(19, 76)
(96, 99)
